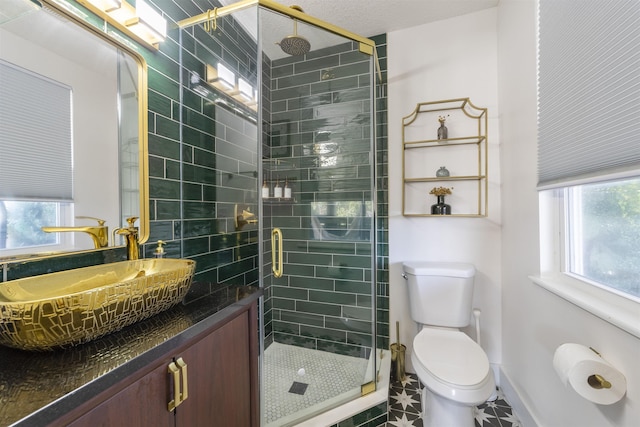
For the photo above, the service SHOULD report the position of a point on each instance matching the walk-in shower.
(290, 103)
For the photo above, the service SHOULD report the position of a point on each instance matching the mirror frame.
(143, 134)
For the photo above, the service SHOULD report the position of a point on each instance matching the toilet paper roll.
(590, 375)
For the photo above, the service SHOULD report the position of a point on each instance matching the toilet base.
(438, 411)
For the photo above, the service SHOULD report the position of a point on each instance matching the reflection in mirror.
(72, 134)
(342, 220)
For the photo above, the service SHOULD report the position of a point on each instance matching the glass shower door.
(317, 190)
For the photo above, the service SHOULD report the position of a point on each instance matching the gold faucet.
(243, 217)
(99, 234)
(131, 236)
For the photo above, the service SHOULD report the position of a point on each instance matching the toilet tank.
(440, 293)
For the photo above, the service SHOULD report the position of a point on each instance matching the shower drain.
(298, 388)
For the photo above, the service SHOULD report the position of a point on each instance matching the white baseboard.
(519, 407)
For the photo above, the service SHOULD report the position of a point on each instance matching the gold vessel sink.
(62, 309)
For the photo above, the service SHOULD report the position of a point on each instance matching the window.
(36, 135)
(603, 234)
(589, 156)
(588, 136)
(588, 250)
(37, 160)
(21, 222)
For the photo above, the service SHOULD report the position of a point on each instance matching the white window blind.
(588, 90)
(36, 157)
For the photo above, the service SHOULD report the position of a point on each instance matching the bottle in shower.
(277, 190)
(287, 189)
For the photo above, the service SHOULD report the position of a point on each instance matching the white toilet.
(453, 368)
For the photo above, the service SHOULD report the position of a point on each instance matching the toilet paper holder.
(589, 374)
(597, 381)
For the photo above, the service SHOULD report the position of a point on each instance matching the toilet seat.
(452, 365)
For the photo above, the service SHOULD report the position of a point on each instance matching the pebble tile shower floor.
(327, 375)
(405, 408)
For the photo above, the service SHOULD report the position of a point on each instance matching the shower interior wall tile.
(325, 291)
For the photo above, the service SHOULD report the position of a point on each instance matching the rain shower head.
(294, 44)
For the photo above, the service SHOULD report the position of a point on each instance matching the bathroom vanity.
(186, 366)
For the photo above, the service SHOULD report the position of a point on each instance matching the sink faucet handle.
(131, 233)
(100, 221)
(132, 221)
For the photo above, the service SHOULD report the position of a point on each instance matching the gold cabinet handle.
(173, 370)
(277, 264)
(185, 387)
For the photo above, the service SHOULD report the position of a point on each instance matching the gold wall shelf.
(463, 150)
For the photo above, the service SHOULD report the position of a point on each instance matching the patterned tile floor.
(405, 407)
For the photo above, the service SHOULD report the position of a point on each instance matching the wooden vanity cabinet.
(142, 403)
(222, 383)
(219, 370)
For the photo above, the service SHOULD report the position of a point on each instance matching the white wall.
(535, 322)
(454, 58)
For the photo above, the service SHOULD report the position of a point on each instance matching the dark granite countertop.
(37, 388)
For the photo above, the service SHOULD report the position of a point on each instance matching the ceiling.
(372, 17)
(365, 18)
(56, 35)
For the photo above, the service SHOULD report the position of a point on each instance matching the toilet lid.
(446, 269)
(451, 356)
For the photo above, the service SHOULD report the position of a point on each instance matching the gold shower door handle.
(277, 264)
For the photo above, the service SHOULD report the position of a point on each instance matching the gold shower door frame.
(366, 46)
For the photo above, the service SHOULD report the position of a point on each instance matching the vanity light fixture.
(227, 77)
(148, 24)
(142, 23)
(221, 77)
(246, 94)
(107, 5)
(224, 79)
(246, 90)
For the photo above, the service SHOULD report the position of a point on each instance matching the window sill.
(619, 311)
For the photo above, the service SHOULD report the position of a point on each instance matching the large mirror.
(73, 133)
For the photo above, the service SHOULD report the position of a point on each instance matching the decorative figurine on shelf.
(440, 208)
(442, 172)
(443, 133)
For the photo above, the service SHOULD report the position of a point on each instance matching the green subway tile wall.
(326, 282)
(382, 188)
(214, 151)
